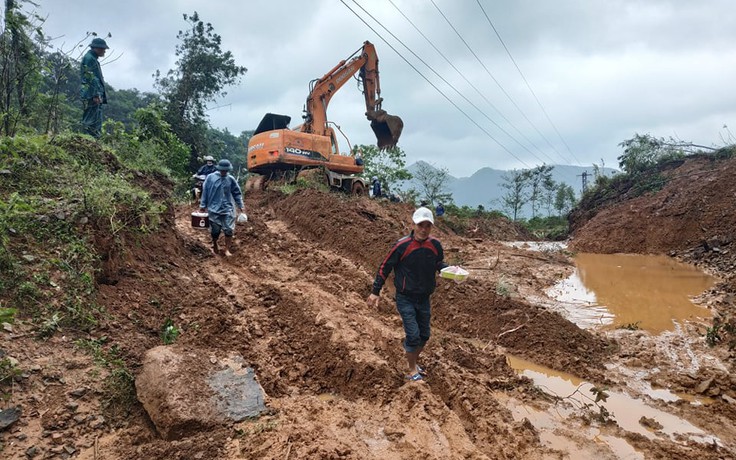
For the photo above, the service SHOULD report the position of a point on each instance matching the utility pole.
(584, 175)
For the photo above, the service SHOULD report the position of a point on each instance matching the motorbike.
(197, 189)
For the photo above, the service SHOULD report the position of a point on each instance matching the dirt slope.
(292, 303)
(696, 205)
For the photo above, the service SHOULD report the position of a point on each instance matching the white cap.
(422, 215)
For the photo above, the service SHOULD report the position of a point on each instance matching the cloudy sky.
(497, 83)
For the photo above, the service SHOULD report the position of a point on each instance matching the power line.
(472, 86)
(434, 86)
(494, 79)
(526, 82)
(447, 82)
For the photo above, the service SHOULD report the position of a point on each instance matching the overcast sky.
(601, 70)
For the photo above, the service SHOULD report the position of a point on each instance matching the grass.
(119, 394)
(58, 199)
(8, 373)
(503, 288)
(169, 332)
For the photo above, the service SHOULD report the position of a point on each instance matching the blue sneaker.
(414, 378)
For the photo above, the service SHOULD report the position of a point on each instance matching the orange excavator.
(277, 153)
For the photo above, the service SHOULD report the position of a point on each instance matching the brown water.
(626, 410)
(645, 292)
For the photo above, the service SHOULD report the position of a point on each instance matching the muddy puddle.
(651, 293)
(560, 425)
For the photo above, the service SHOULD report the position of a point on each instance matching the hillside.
(291, 306)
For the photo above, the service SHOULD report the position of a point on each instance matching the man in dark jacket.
(415, 260)
(376, 187)
(208, 167)
(93, 88)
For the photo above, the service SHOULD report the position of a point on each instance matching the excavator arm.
(387, 128)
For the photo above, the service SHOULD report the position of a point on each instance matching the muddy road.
(291, 302)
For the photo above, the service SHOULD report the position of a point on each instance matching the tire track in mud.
(295, 332)
(307, 330)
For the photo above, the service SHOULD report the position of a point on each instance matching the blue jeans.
(415, 315)
(221, 222)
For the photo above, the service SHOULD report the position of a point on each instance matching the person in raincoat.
(93, 91)
(220, 194)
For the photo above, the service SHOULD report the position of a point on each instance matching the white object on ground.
(242, 217)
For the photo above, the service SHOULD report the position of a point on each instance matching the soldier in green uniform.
(93, 88)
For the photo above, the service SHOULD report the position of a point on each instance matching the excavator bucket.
(387, 129)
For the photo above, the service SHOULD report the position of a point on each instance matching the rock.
(78, 392)
(97, 422)
(7, 327)
(9, 417)
(181, 402)
(703, 386)
(32, 452)
(650, 423)
(728, 399)
(174, 402)
(237, 394)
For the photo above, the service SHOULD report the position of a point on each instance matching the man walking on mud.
(416, 259)
(220, 194)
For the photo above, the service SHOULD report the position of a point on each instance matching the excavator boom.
(387, 128)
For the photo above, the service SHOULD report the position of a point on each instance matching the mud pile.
(696, 205)
(291, 302)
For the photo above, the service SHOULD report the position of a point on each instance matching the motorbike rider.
(207, 168)
(201, 174)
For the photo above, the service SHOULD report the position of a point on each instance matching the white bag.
(242, 217)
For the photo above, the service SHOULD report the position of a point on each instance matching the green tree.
(539, 181)
(223, 144)
(564, 198)
(203, 71)
(433, 183)
(515, 182)
(389, 165)
(644, 151)
(20, 66)
(59, 94)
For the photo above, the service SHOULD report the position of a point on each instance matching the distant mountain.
(485, 188)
